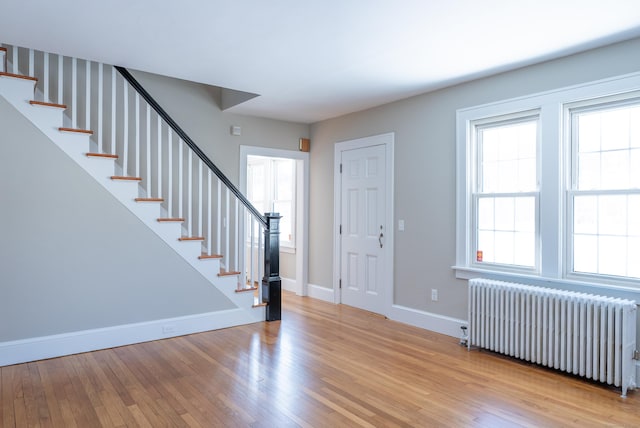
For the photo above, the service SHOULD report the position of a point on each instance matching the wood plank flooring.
(324, 365)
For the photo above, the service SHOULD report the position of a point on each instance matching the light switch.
(401, 225)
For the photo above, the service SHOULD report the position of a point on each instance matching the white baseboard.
(289, 284)
(321, 293)
(39, 348)
(429, 321)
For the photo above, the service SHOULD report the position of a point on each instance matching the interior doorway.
(278, 179)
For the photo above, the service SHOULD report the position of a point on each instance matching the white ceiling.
(311, 60)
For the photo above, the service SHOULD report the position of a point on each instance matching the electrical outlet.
(434, 295)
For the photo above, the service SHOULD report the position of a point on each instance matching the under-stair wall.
(72, 281)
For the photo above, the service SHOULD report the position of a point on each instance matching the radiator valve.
(464, 339)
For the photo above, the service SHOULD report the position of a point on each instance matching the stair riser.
(18, 92)
(3, 56)
(48, 117)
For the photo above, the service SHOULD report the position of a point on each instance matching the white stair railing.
(98, 98)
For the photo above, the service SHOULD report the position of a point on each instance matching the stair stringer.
(18, 92)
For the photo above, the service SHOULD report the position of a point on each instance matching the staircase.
(107, 123)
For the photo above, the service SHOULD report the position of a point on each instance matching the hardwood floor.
(322, 366)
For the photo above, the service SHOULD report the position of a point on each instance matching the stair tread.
(44, 104)
(168, 219)
(125, 178)
(209, 256)
(3, 49)
(191, 238)
(80, 131)
(244, 290)
(228, 273)
(18, 76)
(102, 155)
(149, 199)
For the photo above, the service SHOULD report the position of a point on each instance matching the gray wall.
(196, 108)
(424, 178)
(71, 256)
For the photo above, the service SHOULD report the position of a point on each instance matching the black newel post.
(271, 283)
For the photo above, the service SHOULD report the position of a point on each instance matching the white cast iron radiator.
(584, 334)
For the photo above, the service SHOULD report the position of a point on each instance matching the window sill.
(613, 290)
(288, 250)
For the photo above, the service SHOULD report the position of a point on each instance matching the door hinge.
(340, 283)
(340, 168)
(340, 229)
(636, 354)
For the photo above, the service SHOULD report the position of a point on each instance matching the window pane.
(490, 182)
(508, 145)
(615, 129)
(634, 173)
(589, 132)
(506, 230)
(486, 244)
(508, 162)
(505, 214)
(485, 213)
(284, 208)
(589, 171)
(615, 169)
(612, 215)
(633, 257)
(504, 246)
(633, 217)
(526, 175)
(524, 249)
(612, 255)
(585, 253)
(284, 179)
(585, 217)
(490, 142)
(606, 163)
(525, 214)
(634, 127)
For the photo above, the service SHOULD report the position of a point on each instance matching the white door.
(363, 234)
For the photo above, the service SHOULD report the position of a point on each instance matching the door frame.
(302, 205)
(387, 140)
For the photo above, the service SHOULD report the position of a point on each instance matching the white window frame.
(554, 167)
(475, 195)
(596, 104)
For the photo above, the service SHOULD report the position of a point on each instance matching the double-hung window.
(505, 196)
(548, 186)
(603, 198)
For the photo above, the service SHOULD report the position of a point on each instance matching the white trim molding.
(302, 205)
(40, 348)
(429, 321)
(321, 293)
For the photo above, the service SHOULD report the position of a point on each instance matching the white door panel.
(363, 196)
